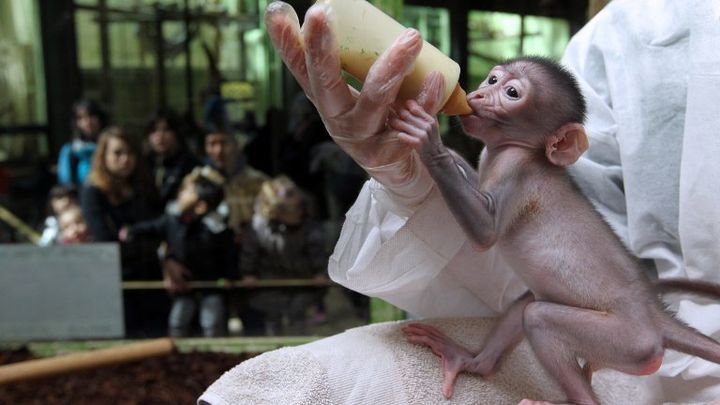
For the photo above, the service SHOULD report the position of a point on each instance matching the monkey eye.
(512, 92)
(492, 79)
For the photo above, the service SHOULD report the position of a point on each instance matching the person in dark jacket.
(118, 193)
(199, 240)
(283, 242)
(169, 157)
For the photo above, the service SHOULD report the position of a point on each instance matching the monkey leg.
(456, 359)
(560, 334)
(506, 334)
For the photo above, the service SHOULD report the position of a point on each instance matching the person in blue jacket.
(75, 158)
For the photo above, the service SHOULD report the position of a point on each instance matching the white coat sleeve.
(649, 70)
(418, 259)
(598, 172)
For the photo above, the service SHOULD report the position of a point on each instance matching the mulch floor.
(178, 378)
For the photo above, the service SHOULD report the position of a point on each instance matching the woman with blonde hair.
(118, 193)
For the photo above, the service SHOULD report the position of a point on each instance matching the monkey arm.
(457, 181)
(473, 209)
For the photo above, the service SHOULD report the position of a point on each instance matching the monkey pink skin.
(523, 203)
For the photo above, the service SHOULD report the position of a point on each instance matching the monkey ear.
(566, 144)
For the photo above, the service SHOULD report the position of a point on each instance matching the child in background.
(73, 228)
(60, 199)
(283, 242)
(198, 239)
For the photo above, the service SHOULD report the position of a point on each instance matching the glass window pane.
(23, 147)
(87, 31)
(22, 80)
(133, 80)
(495, 37)
(545, 36)
(433, 23)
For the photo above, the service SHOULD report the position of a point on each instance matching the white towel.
(374, 364)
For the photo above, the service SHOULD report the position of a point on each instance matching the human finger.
(332, 96)
(431, 95)
(283, 28)
(385, 77)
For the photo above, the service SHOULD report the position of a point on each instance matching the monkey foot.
(532, 402)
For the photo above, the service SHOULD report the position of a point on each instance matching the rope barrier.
(233, 284)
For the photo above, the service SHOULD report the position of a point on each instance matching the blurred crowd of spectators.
(199, 211)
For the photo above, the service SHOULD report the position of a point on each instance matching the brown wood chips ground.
(178, 378)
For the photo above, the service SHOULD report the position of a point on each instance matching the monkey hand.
(420, 130)
(357, 121)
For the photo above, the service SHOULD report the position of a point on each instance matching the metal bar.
(522, 35)
(20, 129)
(160, 58)
(105, 81)
(190, 108)
(250, 20)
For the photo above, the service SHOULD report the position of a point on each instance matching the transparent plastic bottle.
(364, 33)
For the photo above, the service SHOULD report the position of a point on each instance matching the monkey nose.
(475, 94)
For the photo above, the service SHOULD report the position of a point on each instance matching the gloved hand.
(357, 121)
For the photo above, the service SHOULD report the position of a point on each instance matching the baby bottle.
(364, 33)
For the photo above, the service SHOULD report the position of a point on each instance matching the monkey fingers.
(454, 357)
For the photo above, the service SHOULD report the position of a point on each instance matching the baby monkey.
(588, 297)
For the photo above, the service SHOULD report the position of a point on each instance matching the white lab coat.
(650, 70)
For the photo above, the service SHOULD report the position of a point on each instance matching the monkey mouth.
(479, 111)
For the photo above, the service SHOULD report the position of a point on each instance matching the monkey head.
(530, 102)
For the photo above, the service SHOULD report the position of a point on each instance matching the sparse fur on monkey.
(588, 297)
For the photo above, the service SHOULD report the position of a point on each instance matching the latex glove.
(357, 121)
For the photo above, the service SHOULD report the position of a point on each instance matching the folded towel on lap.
(374, 364)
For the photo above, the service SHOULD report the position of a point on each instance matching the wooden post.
(40, 368)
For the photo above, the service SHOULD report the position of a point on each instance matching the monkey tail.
(683, 338)
(678, 285)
